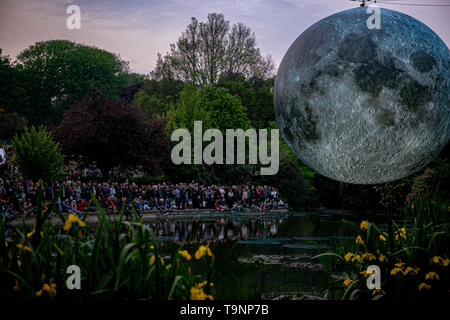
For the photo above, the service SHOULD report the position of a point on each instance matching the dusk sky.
(138, 30)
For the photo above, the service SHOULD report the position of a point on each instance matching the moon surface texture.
(362, 105)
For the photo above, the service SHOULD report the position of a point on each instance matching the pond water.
(265, 256)
(279, 265)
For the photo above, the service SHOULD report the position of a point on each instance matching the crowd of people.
(72, 195)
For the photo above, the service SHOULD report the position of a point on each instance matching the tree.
(256, 96)
(11, 123)
(6, 76)
(112, 133)
(133, 82)
(37, 155)
(12, 98)
(207, 50)
(155, 97)
(127, 93)
(59, 72)
(216, 107)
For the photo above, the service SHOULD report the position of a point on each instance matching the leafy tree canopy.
(216, 107)
(59, 72)
(256, 96)
(112, 133)
(12, 97)
(37, 155)
(133, 82)
(207, 50)
(155, 97)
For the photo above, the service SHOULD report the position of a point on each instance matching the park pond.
(265, 256)
(259, 255)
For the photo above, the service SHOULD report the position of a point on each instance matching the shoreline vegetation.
(118, 259)
(413, 259)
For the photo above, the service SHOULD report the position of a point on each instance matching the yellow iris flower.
(438, 259)
(368, 256)
(185, 254)
(29, 234)
(347, 282)
(382, 238)
(364, 224)
(198, 294)
(411, 270)
(400, 233)
(348, 256)
(23, 247)
(432, 275)
(378, 291)
(50, 288)
(445, 262)
(395, 271)
(153, 258)
(71, 220)
(425, 286)
(359, 240)
(203, 250)
(400, 264)
(400, 267)
(365, 274)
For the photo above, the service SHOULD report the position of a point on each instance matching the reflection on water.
(221, 229)
(260, 257)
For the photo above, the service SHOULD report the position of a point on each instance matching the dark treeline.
(98, 111)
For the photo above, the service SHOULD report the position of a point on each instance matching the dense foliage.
(112, 133)
(413, 258)
(49, 76)
(118, 259)
(215, 107)
(37, 155)
(207, 50)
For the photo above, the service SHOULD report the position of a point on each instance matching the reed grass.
(118, 260)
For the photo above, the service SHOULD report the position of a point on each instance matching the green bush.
(37, 155)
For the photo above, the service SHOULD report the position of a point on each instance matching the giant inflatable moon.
(364, 105)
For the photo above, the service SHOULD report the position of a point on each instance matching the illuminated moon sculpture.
(362, 105)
